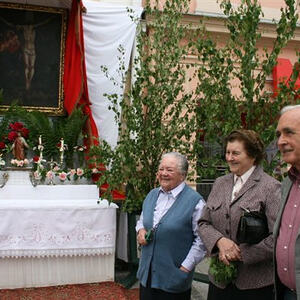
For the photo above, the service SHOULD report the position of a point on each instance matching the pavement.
(199, 289)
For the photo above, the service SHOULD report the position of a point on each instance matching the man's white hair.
(288, 108)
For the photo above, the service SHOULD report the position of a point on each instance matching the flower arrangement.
(50, 170)
(42, 173)
(19, 162)
(13, 131)
(16, 127)
(70, 174)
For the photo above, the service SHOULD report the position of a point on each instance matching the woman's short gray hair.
(288, 108)
(182, 162)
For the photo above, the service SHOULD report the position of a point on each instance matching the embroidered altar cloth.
(56, 228)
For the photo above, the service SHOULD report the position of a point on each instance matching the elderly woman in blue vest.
(167, 232)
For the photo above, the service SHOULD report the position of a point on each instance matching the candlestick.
(51, 163)
(62, 144)
(62, 158)
(61, 151)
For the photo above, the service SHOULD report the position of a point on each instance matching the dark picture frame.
(32, 46)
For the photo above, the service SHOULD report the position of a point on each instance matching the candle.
(62, 144)
(40, 140)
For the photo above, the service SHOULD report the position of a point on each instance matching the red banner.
(282, 74)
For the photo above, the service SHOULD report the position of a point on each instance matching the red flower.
(95, 177)
(2, 145)
(25, 132)
(36, 158)
(17, 126)
(12, 136)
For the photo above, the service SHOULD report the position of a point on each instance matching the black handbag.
(252, 228)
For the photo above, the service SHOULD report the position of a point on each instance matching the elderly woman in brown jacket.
(246, 188)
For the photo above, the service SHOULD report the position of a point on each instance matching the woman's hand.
(141, 236)
(228, 250)
(182, 268)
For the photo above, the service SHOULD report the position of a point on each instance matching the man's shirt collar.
(294, 174)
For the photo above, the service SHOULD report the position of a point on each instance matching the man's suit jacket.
(220, 218)
(285, 191)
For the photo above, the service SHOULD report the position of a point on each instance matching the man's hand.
(228, 250)
(141, 236)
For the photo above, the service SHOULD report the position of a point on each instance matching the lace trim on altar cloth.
(55, 252)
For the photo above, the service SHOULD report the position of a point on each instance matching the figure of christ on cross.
(29, 53)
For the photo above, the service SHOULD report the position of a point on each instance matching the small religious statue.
(18, 147)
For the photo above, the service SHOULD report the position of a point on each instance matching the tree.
(157, 112)
(240, 65)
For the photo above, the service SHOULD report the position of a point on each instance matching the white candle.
(61, 144)
(40, 140)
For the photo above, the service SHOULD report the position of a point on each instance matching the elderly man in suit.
(287, 225)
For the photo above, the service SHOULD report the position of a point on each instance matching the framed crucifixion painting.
(32, 44)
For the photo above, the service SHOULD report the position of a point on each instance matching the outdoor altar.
(54, 228)
(54, 234)
(47, 136)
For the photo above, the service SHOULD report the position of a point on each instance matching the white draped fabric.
(106, 28)
(49, 271)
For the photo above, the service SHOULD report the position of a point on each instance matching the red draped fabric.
(75, 80)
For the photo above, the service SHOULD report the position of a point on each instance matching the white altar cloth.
(53, 235)
(51, 228)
